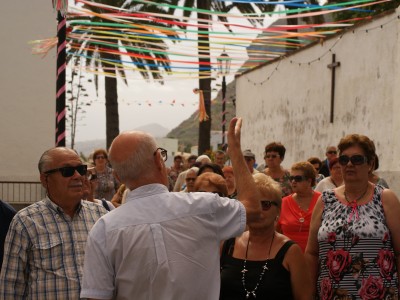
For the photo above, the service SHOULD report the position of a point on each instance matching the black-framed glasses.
(356, 160)
(297, 178)
(164, 153)
(69, 171)
(332, 152)
(266, 204)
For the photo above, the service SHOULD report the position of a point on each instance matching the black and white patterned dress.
(356, 257)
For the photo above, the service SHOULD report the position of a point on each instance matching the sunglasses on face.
(69, 171)
(100, 157)
(266, 204)
(297, 178)
(271, 156)
(332, 152)
(357, 159)
(190, 179)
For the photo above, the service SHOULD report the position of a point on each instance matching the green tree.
(101, 50)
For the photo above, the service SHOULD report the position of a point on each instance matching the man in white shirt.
(164, 245)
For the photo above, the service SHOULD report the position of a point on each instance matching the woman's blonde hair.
(267, 185)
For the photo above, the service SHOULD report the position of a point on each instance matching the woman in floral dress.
(354, 242)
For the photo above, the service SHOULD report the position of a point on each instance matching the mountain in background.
(87, 147)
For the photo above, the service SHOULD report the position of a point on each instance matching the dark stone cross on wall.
(333, 67)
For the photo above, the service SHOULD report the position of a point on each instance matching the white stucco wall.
(293, 106)
(27, 88)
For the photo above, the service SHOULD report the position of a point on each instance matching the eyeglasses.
(248, 158)
(100, 157)
(271, 156)
(297, 178)
(357, 159)
(69, 171)
(91, 176)
(164, 153)
(266, 204)
(190, 179)
(331, 152)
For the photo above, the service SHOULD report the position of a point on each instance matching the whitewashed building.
(289, 100)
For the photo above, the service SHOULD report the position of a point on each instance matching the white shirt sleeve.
(231, 218)
(98, 272)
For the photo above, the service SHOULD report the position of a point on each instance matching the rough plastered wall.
(293, 105)
(27, 88)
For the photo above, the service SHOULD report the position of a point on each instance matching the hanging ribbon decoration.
(61, 7)
(202, 108)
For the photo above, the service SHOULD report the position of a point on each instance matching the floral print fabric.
(356, 258)
(284, 182)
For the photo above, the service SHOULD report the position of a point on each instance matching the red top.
(295, 222)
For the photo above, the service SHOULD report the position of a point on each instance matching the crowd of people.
(207, 227)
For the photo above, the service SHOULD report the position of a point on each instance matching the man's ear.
(159, 161)
(43, 180)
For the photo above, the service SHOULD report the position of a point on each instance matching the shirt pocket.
(48, 253)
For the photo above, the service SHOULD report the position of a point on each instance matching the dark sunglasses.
(357, 159)
(100, 157)
(297, 178)
(190, 179)
(266, 204)
(332, 152)
(271, 156)
(69, 171)
(164, 153)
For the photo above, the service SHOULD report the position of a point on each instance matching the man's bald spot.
(125, 144)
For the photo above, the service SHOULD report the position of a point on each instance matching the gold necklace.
(301, 219)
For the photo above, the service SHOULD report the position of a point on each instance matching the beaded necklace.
(264, 268)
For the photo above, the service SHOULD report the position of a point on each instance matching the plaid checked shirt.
(44, 251)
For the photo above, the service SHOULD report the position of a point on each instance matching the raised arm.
(248, 193)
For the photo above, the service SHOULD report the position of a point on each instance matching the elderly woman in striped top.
(354, 243)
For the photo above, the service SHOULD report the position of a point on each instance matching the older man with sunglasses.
(45, 244)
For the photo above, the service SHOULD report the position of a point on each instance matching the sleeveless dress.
(356, 257)
(295, 222)
(275, 283)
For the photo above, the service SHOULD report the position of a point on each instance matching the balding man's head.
(133, 157)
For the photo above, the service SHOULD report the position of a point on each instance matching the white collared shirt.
(160, 245)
